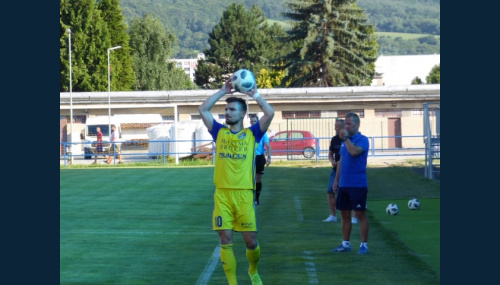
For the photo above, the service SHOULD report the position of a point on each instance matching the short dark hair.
(254, 116)
(239, 100)
(354, 116)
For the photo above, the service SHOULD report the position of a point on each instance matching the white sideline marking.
(310, 267)
(133, 232)
(420, 222)
(298, 209)
(210, 267)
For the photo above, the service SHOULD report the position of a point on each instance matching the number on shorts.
(218, 221)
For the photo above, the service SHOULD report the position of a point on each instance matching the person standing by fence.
(351, 185)
(260, 159)
(98, 147)
(333, 157)
(115, 147)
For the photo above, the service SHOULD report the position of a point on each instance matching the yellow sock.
(253, 256)
(228, 262)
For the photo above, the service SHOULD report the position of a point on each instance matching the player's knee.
(251, 244)
(225, 238)
(250, 240)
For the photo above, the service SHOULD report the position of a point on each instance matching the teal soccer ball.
(243, 80)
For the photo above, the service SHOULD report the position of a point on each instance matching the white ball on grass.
(414, 204)
(392, 209)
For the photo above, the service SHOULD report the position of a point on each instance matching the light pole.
(109, 93)
(70, 95)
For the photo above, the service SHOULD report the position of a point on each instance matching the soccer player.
(234, 179)
(261, 160)
(333, 157)
(351, 184)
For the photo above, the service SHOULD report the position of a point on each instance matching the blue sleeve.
(364, 143)
(215, 129)
(265, 138)
(257, 132)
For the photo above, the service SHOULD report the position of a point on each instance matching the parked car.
(293, 142)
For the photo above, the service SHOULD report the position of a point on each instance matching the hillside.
(192, 20)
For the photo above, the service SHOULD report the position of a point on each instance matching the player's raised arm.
(206, 106)
(265, 121)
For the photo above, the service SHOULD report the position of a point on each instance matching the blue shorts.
(352, 198)
(331, 181)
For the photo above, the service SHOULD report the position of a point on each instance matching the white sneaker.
(330, 219)
(354, 220)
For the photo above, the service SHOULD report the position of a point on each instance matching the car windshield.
(297, 135)
(281, 136)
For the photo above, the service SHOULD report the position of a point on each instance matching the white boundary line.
(119, 232)
(210, 267)
(312, 276)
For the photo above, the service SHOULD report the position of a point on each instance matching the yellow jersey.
(235, 156)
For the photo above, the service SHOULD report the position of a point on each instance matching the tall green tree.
(122, 72)
(434, 76)
(242, 39)
(90, 39)
(64, 15)
(152, 46)
(333, 44)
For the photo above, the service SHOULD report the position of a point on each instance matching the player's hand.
(343, 133)
(227, 87)
(268, 161)
(254, 93)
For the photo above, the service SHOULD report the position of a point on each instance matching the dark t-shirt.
(335, 144)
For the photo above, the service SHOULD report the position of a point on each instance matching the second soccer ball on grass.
(392, 209)
(414, 204)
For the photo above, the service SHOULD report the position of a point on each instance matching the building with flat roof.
(189, 65)
(402, 69)
(385, 111)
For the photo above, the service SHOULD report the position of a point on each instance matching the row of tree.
(404, 16)
(434, 76)
(140, 64)
(399, 46)
(192, 20)
(330, 43)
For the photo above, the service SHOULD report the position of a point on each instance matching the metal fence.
(432, 137)
(172, 151)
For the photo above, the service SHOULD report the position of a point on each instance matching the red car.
(293, 142)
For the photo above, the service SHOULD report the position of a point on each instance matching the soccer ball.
(414, 204)
(392, 209)
(243, 80)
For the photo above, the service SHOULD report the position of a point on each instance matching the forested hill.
(192, 20)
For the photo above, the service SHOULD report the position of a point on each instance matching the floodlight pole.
(109, 93)
(70, 95)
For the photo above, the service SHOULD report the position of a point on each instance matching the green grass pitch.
(153, 226)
